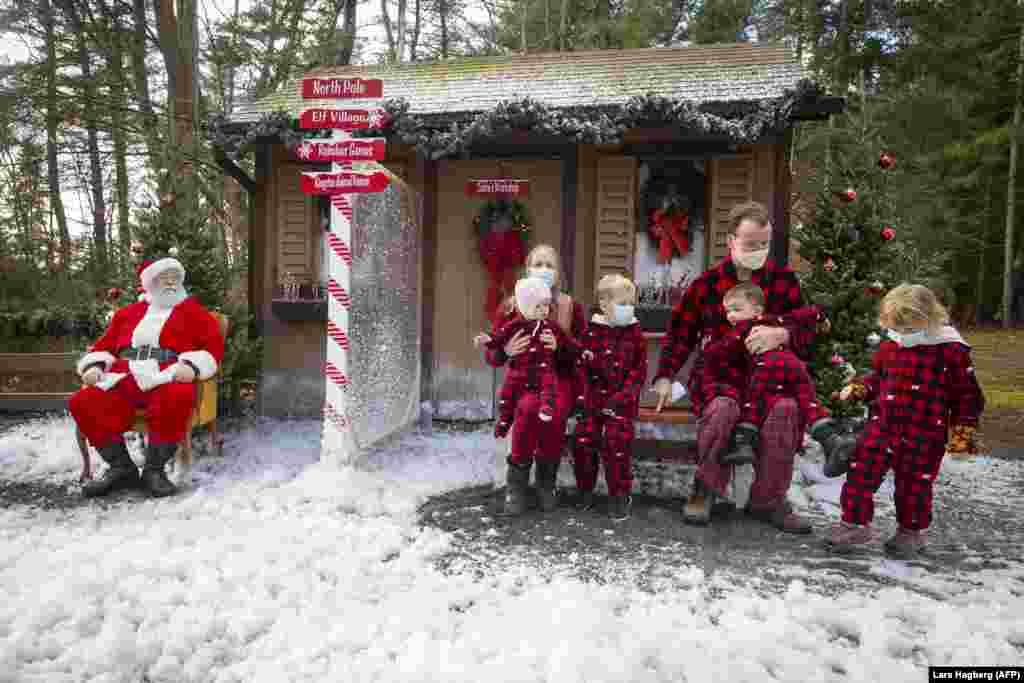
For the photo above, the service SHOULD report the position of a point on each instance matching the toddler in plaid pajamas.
(755, 382)
(614, 360)
(922, 386)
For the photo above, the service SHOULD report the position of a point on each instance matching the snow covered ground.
(274, 568)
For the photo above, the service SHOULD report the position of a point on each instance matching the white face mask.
(751, 260)
(622, 314)
(545, 274)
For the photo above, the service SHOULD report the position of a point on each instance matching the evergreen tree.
(853, 242)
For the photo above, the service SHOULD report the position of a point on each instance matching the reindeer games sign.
(341, 150)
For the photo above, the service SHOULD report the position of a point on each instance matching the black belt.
(148, 352)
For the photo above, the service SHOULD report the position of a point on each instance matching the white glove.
(92, 376)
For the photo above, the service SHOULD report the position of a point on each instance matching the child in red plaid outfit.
(614, 359)
(534, 369)
(921, 387)
(757, 381)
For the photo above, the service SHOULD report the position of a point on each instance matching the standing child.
(755, 382)
(615, 359)
(533, 369)
(923, 385)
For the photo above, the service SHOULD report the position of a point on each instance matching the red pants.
(534, 438)
(104, 416)
(915, 460)
(518, 382)
(611, 440)
(773, 469)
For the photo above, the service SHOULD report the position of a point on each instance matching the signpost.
(338, 443)
(498, 187)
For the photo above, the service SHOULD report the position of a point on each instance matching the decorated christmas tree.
(851, 240)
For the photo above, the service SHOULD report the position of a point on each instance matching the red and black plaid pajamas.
(616, 377)
(531, 436)
(757, 382)
(699, 320)
(916, 394)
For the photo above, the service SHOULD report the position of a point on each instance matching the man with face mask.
(150, 357)
(700, 319)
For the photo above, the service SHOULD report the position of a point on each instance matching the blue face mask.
(622, 314)
(545, 274)
(908, 340)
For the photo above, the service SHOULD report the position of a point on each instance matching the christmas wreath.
(669, 228)
(503, 231)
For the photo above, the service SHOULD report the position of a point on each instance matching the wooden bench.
(36, 364)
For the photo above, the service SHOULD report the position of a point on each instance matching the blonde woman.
(534, 440)
(922, 386)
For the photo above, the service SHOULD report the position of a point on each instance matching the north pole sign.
(498, 187)
(342, 119)
(344, 182)
(353, 149)
(341, 88)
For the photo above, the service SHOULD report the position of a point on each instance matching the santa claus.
(149, 358)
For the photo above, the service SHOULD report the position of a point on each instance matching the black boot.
(839, 447)
(743, 447)
(517, 482)
(121, 473)
(547, 473)
(154, 475)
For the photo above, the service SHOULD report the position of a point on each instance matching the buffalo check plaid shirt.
(699, 318)
(618, 369)
(928, 387)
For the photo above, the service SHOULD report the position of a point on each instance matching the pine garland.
(598, 126)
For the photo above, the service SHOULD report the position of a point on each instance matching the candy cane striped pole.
(338, 444)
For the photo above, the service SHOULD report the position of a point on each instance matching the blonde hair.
(749, 291)
(510, 303)
(613, 284)
(912, 306)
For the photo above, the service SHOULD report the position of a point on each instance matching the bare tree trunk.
(414, 40)
(442, 12)
(1011, 187)
(980, 287)
(400, 23)
(523, 5)
(150, 124)
(120, 136)
(52, 117)
(99, 203)
(386, 18)
(346, 46)
(547, 24)
(563, 24)
(869, 8)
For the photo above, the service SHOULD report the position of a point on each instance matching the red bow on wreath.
(670, 229)
(503, 252)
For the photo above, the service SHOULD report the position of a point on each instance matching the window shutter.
(616, 216)
(732, 181)
(296, 220)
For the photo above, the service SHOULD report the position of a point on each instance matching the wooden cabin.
(592, 199)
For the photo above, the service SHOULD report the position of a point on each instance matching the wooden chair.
(204, 413)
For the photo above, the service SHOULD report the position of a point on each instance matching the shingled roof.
(742, 72)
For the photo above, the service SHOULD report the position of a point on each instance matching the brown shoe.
(698, 505)
(846, 538)
(906, 544)
(782, 518)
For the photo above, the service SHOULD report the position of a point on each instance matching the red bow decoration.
(503, 252)
(671, 231)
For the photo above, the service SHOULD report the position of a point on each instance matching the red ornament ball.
(888, 234)
(848, 195)
(829, 265)
(114, 293)
(886, 160)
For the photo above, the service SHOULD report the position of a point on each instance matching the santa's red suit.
(107, 410)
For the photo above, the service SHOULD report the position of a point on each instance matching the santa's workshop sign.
(498, 187)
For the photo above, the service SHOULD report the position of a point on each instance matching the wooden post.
(567, 243)
(428, 173)
(780, 207)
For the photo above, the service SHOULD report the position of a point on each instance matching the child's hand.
(481, 339)
(856, 392)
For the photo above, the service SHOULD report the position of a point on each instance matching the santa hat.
(149, 270)
(531, 291)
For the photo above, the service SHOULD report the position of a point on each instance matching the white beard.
(167, 298)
